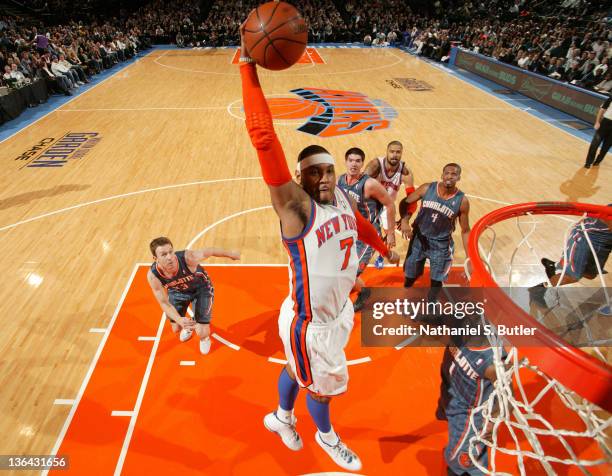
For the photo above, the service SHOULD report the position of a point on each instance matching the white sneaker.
(342, 455)
(185, 335)
(286, 431)
(205, 346)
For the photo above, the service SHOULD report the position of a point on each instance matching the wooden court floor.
(167, 154)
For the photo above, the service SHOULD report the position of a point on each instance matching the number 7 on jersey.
(347, 244)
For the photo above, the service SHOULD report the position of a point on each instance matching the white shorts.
(316, 351)
(382, 219)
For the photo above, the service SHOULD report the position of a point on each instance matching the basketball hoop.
(571, 384)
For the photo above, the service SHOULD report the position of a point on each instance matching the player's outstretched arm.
(162, 298)
(193, 257)
(286, 195)
(374, 189)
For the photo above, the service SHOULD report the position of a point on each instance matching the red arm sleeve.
(259, 124)
(412, 207)
(368, 234)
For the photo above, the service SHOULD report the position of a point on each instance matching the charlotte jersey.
(436, 218)
(598, 232)
(184, 281)
(392, 184)
(368, 207)
(323, 261)
(466, 375)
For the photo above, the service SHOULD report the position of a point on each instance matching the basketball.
(275, 35)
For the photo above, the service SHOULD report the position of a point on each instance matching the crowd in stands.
(325, 24)
(569, 41)
(164, 21)
(64, 56)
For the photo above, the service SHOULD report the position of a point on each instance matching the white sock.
(331, 438)
(284, 415)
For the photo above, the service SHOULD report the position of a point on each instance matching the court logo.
(393, 83)
(53, 152)
(411, 84)
(332, 113)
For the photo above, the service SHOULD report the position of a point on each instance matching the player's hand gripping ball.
(274, 35)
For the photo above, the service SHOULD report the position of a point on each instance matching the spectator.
(17, 76)
(605, 86)
(54, 83)
(41, 42)
(75, 71)
(58, 70)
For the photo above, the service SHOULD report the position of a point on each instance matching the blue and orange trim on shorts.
(302, 310)
(301, 301)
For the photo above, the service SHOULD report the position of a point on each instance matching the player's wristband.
(246, 59)
(411, 206)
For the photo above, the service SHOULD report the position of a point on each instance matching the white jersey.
(391, 184)
(323, 261)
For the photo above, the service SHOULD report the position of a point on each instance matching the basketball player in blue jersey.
(580, 259)
(177, 280)
(431, 233)
(371, 197)
(470, 381)
(320, 226)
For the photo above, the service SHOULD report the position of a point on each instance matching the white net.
(511, 412)
(542, 426)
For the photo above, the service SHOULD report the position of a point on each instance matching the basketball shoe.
(185, 335)
(286, 431)
(342, 455)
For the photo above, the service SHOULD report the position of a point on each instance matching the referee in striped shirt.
(603, 135)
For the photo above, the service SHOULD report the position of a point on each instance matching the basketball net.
(516, 424)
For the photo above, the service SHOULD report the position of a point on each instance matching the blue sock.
(287, 391)
(319, 413)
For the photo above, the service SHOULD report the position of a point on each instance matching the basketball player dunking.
(371, 197)
(177, 280)
(431, 233)
(320, 226)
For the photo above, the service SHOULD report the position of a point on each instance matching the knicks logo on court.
(332, 113)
